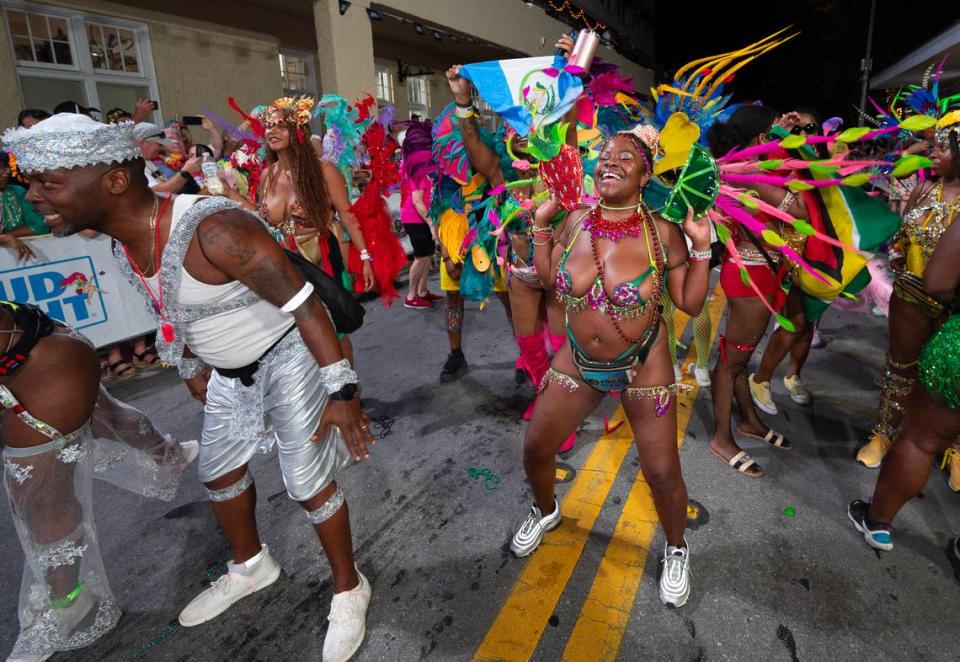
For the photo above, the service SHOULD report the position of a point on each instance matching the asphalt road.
(431, 522)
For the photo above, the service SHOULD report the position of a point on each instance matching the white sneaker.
(241, 580)
(702, 375)
(528, 536)
(675, 578)
(348, 622)
(798, 392)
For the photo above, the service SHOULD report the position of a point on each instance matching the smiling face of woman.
(277, 131)
(622, 169)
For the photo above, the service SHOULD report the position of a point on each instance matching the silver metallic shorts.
(288, 397)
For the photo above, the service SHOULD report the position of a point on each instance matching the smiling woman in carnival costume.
(611, 266)
(914, 314)
(295, 195)
(932, 418)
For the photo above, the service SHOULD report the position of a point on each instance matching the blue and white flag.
(526, 92)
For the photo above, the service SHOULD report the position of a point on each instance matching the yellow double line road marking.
(517, 629)
(516, 632)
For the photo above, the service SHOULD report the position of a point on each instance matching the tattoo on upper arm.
(269, 278)
(254, 260)
(227, 238)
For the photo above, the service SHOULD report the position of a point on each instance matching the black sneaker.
(454, 368)
(877, 534)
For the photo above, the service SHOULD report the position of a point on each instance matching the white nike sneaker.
(528, 536)
(241, 580)
(675, 578)
(348, 622)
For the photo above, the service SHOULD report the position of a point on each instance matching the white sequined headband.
(69, 140)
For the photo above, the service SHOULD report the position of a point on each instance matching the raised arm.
(688, 272)
(483, 159)
(237, 244)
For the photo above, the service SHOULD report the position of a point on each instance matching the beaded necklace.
(654, 252)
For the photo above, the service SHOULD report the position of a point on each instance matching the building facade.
(187, 55)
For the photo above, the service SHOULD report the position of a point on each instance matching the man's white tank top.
(234, 338)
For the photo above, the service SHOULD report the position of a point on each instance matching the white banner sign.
(76, 280)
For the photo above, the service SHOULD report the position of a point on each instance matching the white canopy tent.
(911, 68)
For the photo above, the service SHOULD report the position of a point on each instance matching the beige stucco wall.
(9, 91)
(344, 49)
(195, 62)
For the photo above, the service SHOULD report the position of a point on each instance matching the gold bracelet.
(546, 231)
(548, 242)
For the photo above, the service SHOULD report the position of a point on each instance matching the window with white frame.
(66, 55)
(113, 48)
(293, 71)
(418, 96)
(40, 38)
(384, 84)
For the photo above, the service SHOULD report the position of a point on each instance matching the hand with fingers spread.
(354, 424)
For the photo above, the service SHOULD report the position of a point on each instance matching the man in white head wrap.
(226, 297)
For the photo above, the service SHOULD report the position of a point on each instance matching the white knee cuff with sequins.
(231, 491)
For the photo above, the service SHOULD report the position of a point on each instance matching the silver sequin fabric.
(284, 405)
(102, 144)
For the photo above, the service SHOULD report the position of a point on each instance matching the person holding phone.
(152, 143)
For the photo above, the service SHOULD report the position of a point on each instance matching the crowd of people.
(591, 223)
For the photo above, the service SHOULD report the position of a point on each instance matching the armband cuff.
(298, 298)
(337, 375)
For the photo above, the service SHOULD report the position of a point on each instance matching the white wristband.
(464, 112)
(298, 298)
(337, 375)
(365, 256)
